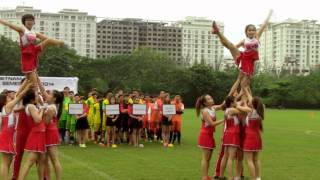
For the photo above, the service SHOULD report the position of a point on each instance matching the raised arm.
(264, 25)
(35, 113)
(42, 89)
(248, 94)
(41, 36)
(234, 111)
(218, 107)
(12, 26)
(9, 107)
(244, 109)
(207, 118)
(49, 114)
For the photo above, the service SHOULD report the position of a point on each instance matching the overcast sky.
(234, 13)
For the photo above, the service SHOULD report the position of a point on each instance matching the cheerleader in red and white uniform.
(23, 128)
(207, 112)
(7, 130)
(51, 116)
(36, 142)
(252, 143)
(231, 136)
(245, 60)
(29, 49)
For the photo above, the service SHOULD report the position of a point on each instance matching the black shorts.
(166, 122)
(82, 124)
(124, 120)
(136, 124)
(118, 123)
(110, 122)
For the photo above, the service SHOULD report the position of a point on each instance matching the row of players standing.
(111, 130)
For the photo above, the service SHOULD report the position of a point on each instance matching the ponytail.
(59, 102)
(259, 107)
(3, 99)
(200, 104)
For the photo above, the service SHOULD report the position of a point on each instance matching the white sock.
(258, 178)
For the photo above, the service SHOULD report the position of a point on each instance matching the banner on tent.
(50, 83)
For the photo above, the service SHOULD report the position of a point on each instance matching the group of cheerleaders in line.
(243, 114)
(35, 124)
(126, 127)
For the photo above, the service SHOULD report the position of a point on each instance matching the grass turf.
(291, 151)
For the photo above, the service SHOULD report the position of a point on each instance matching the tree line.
(152, 71)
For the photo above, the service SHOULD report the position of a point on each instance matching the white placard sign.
(139, 109)
(169, 109)
(113, 109)
(75, 109)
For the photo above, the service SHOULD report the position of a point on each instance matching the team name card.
(169, 109)
(113, 109)
(75, 109)
(139, 109)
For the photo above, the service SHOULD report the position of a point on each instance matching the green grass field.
(291, 151)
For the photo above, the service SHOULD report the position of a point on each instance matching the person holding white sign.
(82, 125)
(71, 122)
(136, 123)
(124, 117)
(111, 125)
(166, 124)
(64, 116)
